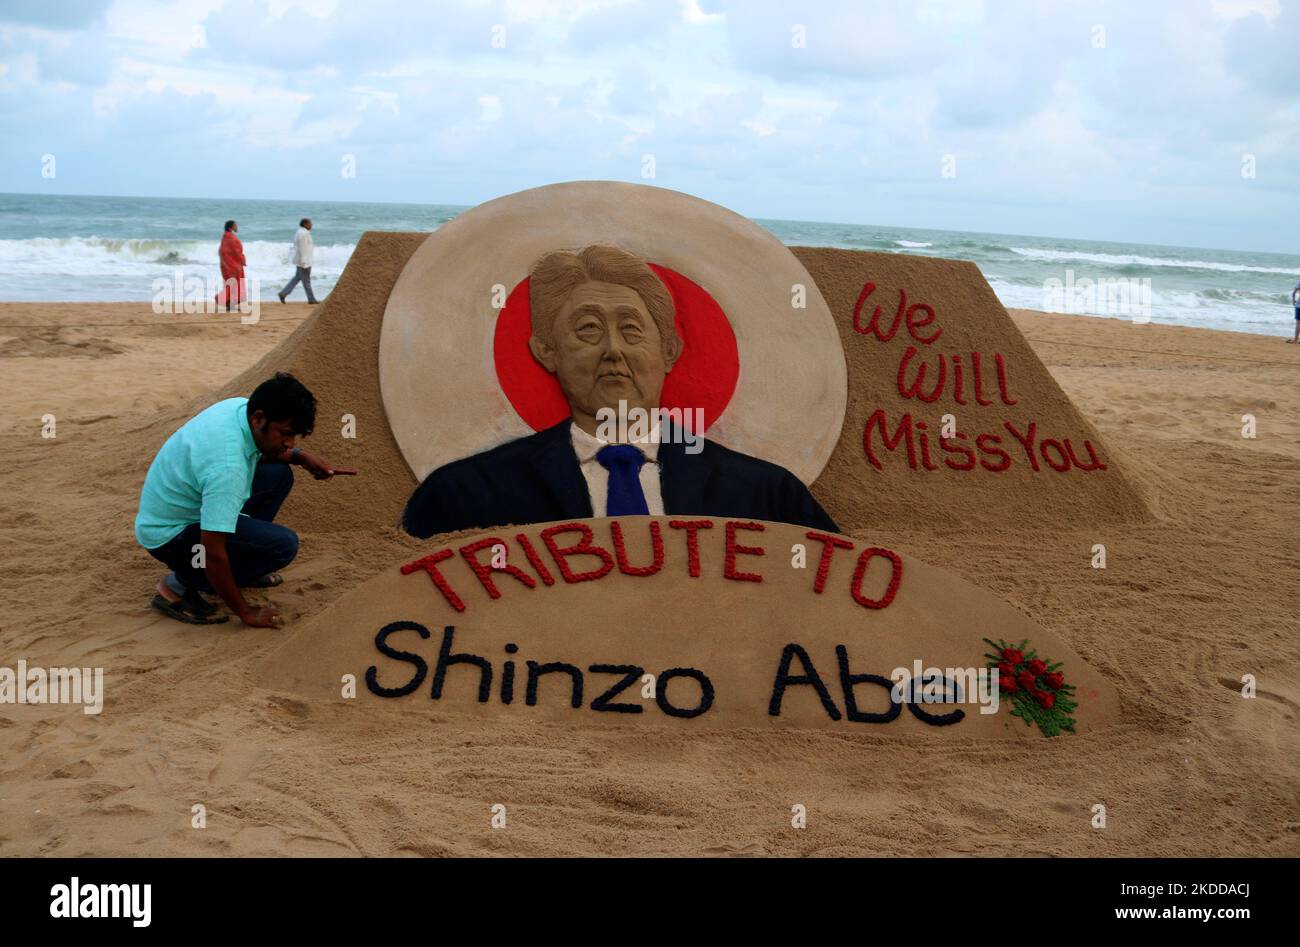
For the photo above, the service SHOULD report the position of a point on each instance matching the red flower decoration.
(1034, 686)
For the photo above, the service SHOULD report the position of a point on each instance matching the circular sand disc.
(438, 367)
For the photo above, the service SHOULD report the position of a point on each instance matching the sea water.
(114, 248)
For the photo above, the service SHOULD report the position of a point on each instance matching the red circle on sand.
(704, 377)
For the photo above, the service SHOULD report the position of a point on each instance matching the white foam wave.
(105, 269)
(1248, 313)
(1124, 259)
(106, 257)
(912, 244)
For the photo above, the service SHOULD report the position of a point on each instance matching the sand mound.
(947, 312)
(926, 341)
(336, 354)
(572, 609)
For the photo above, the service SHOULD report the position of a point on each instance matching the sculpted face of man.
(606, 348)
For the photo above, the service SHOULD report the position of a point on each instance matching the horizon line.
(792, 220)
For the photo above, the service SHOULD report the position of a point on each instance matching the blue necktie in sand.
(625, 496)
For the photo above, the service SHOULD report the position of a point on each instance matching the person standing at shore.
(1295, 301)
(232, 267)
(302, 254)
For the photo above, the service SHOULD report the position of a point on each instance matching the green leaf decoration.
(1052, 720)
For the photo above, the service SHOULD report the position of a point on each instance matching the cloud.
(356, 37)
(637, 22)
(77, 58)
(837, 110)
(54, 14)
(862, 41)
(1266, 52)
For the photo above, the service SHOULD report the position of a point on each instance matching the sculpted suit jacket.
(536, 479)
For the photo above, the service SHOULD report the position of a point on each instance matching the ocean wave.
(913, 244)
(112, 257)
(1208, 308)
(1131, 260)
(1245, 295)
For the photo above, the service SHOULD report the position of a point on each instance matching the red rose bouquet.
(1036, 688)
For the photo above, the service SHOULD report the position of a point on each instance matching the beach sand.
(1191, 600)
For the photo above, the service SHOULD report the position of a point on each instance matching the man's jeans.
(303, 274)
(257, 547)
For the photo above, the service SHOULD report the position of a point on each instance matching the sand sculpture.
(952, 417)
(339, 350)
(603, 327)
(838, 365)
(761, 354)
(659, 621)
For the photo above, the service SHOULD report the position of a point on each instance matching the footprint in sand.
(1289, 703)
(424, 850)
(752, 850)
(78, 770)
(295, 708)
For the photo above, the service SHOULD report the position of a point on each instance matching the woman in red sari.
(232, 267)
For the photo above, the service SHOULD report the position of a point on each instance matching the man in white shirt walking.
(302, 250)
(1295, 301)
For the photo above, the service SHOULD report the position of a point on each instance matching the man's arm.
(222, 580)
(318, 467)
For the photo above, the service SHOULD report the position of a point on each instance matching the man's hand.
(268, 616)
(217, 569)
(319, 467)
(222, 580)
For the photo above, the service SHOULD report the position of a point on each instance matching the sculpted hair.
(557, 274)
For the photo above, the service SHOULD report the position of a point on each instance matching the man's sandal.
(268, 581)
(198, 604)
(186, 611)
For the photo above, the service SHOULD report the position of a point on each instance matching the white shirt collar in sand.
(585, 447)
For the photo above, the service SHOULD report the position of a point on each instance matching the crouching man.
(209, 502)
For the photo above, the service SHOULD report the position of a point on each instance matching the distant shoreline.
(20, 316)
(88, 249)
(760, 218)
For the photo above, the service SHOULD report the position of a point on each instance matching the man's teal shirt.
(203, 474)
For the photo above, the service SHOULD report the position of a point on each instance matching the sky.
(1160, 121)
